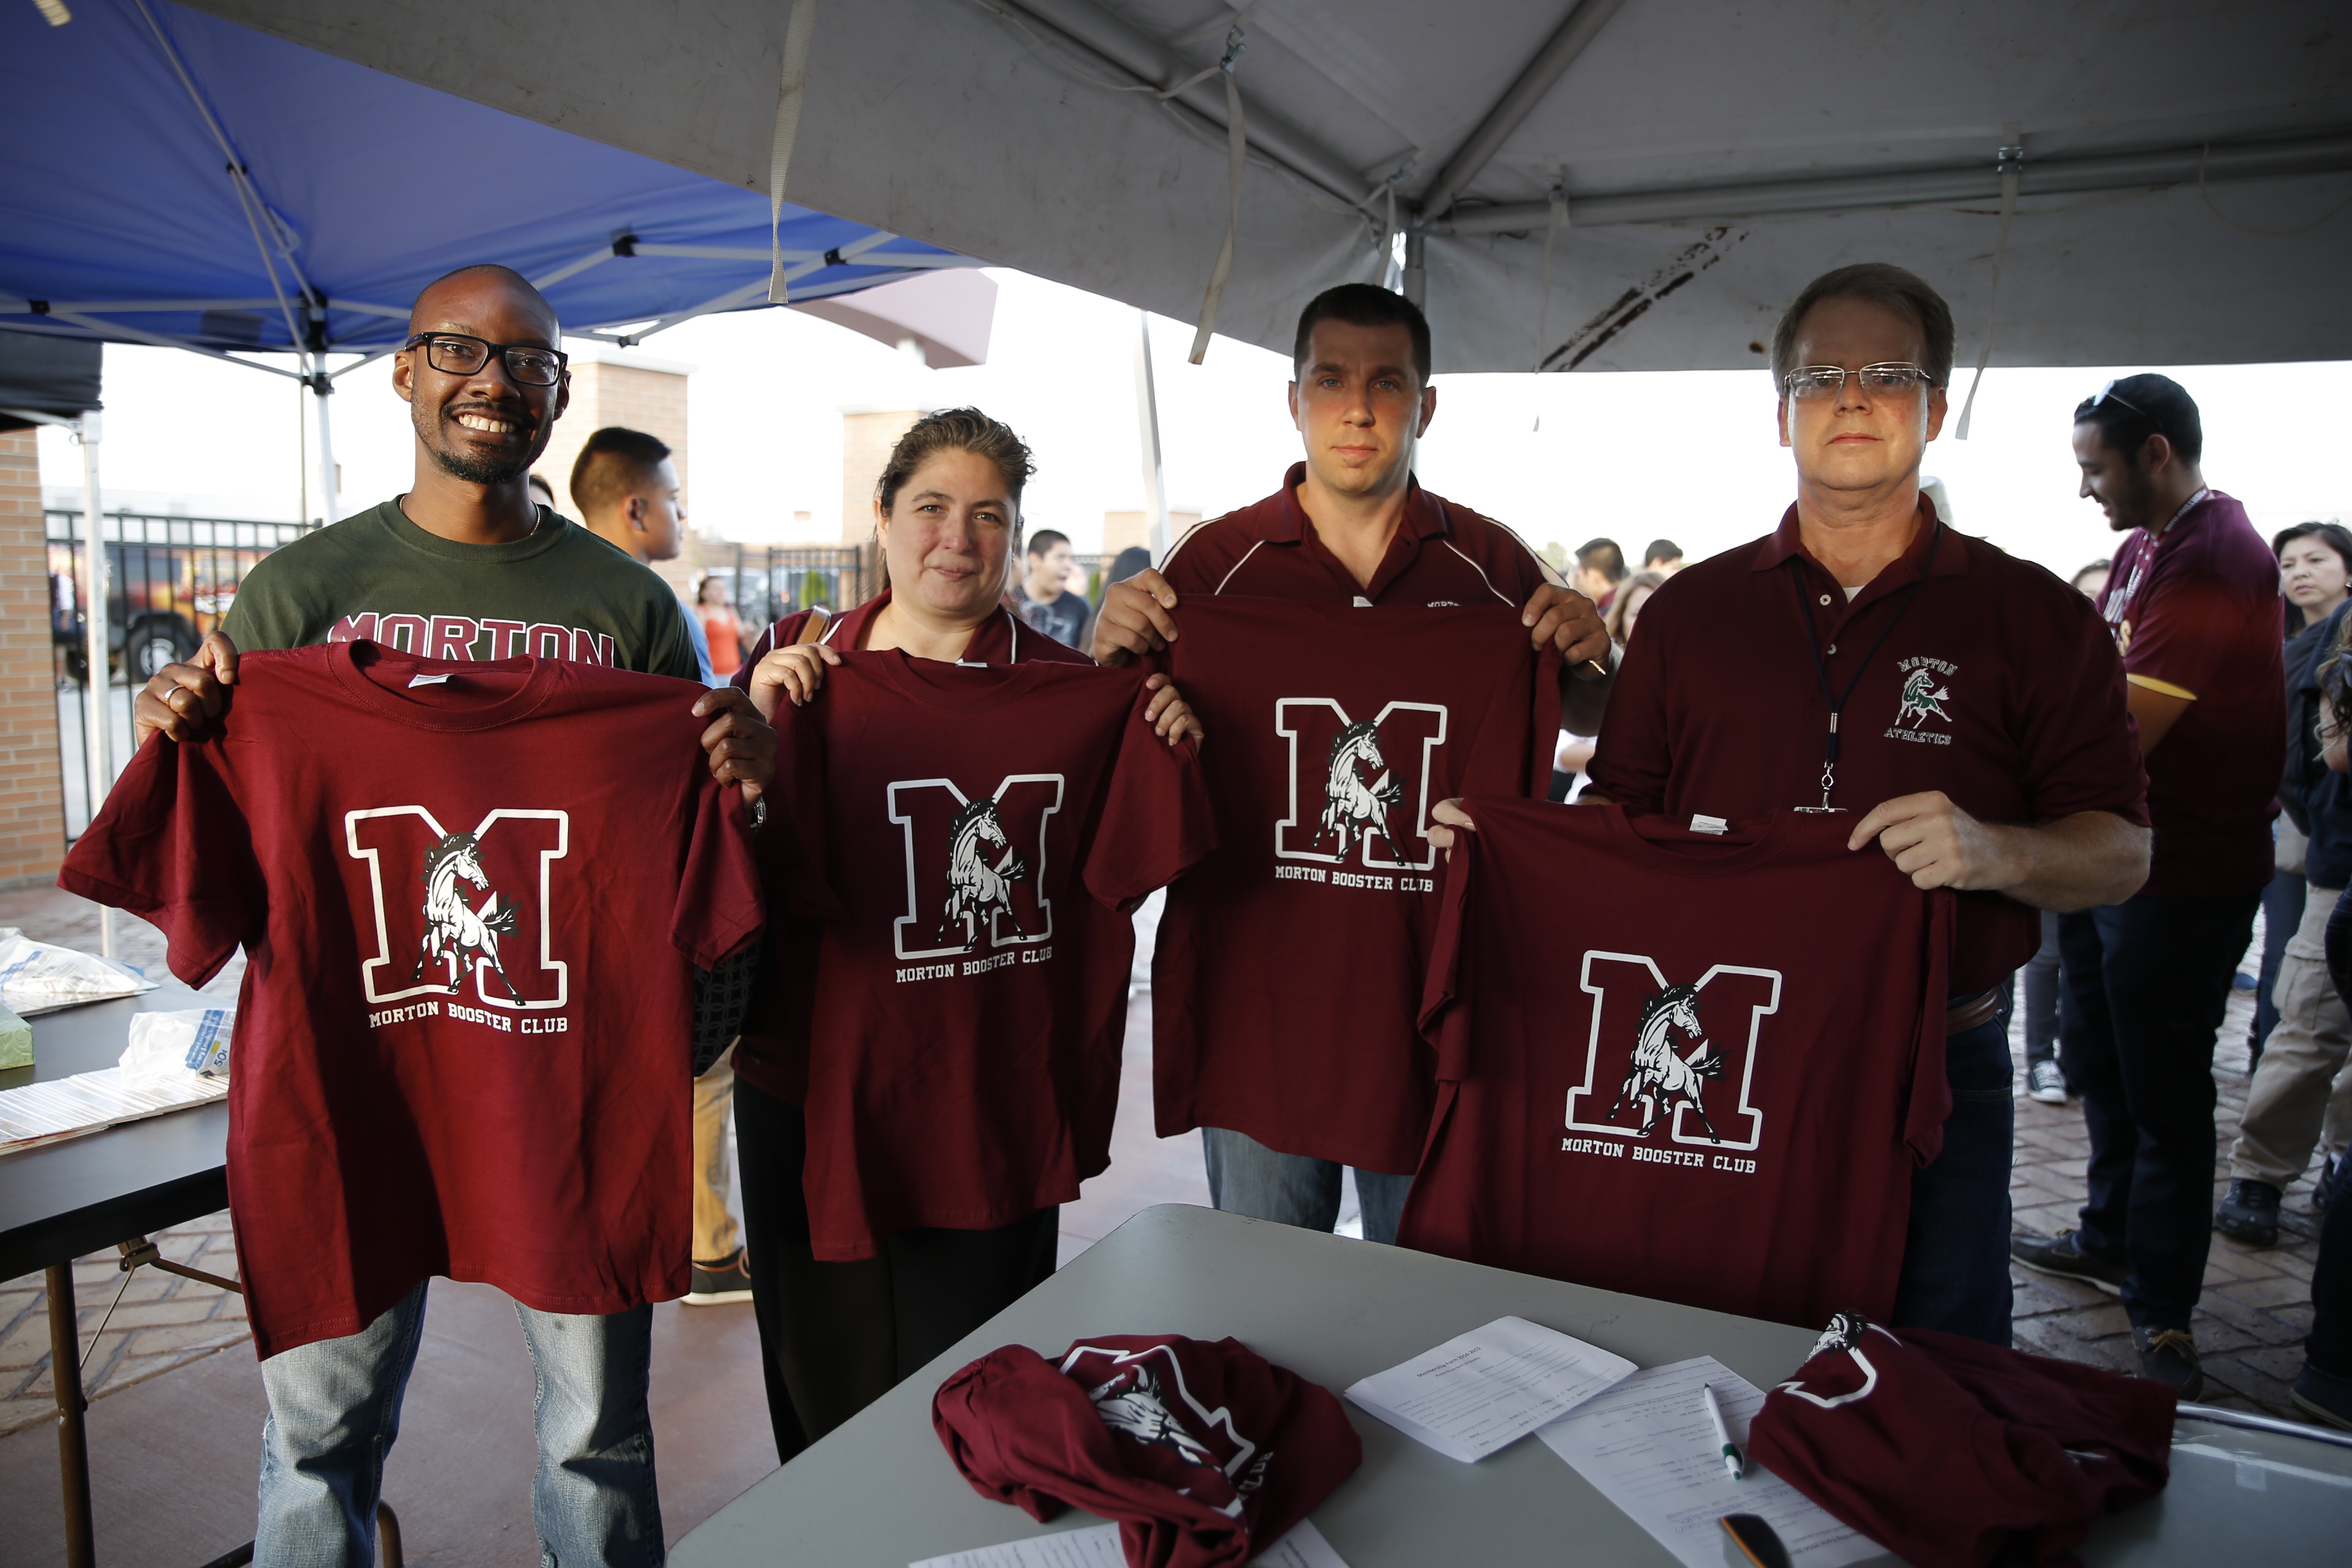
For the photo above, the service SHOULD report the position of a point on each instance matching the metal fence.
(169, 580)
(768, 583)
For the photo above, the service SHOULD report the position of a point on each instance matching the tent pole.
(1147, 415)
(329, 501)
(95, 718)
(1415, 277)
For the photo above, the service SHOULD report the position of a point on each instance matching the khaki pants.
(715, 1239)
(2291, 1105)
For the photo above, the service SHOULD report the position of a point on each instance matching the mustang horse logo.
(1352, 809)
(1132, 1402)
(455, 932)
(981, 870)
(1922, 700)
(1656, 1074)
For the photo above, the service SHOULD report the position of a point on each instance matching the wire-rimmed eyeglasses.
(455, 353)
(1894, 378)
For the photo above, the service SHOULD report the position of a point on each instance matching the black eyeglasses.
(1892, 379)
(2108, 393)
(455, 353)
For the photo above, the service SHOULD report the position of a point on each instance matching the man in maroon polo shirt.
(1351, 525)
(1965, 708)
(2194, 603)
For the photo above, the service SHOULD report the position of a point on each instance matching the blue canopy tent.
(179, 180)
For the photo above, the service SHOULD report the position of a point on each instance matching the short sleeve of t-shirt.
(718, 904)
(1156, 822)
(2078, 752)
(170, 847)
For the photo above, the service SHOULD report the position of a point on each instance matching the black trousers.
(2145, 982)
(834, 1337)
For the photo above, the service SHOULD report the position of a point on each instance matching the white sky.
(1689, 455)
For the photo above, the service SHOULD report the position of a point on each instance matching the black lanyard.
(1822, 670)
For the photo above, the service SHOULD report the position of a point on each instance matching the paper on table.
(1647, 1446)
(90, 1102)
(1485, 1390)
(1098, 1547)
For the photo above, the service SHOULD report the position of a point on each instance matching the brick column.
(32, 789)
(866, 437)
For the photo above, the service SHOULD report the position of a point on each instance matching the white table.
(880, 1493)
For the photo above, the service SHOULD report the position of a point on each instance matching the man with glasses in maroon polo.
(1787, 675)
(2193, 600)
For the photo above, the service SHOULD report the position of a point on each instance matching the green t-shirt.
(563, 593)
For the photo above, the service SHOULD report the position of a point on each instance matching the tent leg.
(95, 613)
(1415, 277)
(330, 508)
(1147, 414)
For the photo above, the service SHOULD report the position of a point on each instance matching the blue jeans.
(1956, 1249)
(334, 1411)
(2042, 983)
(2146, 981)
(2281, 913)
(1247, 1178)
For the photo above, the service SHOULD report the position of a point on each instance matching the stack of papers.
(1485, 1390)
(89, 1102)
(1647, 1446)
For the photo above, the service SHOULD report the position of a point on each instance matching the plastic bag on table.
(38, 978)
(171, 1047)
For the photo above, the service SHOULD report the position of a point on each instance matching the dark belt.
(1966, 1013)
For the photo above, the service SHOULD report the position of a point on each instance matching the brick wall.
(32, 803)
(866, 437)
(635, 398)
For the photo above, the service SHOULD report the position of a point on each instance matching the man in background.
(627, 492)
(2193, 602)
(1599, 567)
(1044, 599)
(1664, 557)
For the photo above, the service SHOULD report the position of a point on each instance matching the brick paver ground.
(2257, 1303)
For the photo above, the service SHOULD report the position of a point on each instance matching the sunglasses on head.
(2108, 393)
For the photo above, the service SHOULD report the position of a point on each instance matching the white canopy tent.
(1586, 185)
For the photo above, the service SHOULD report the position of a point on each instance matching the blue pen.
(1731, 1459)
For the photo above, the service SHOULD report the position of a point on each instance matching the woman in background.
(1575, 752)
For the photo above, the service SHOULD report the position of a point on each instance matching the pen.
(1732, 1460)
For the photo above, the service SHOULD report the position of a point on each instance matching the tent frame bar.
(1576, 30)
(2321, 153)
(1151, 64)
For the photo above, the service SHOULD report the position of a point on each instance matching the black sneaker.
(718, 1284)
(2170, 1356)
(2062, 1257)
(2249, 1213)
(2324, 1396)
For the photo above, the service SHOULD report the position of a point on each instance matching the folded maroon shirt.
(1948, 1452)
(1205, 1453)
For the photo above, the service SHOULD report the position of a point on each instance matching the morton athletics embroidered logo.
(436, 942)
(1638, 1019)
(975, 863)
(1924, 691)
(1372, 771)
